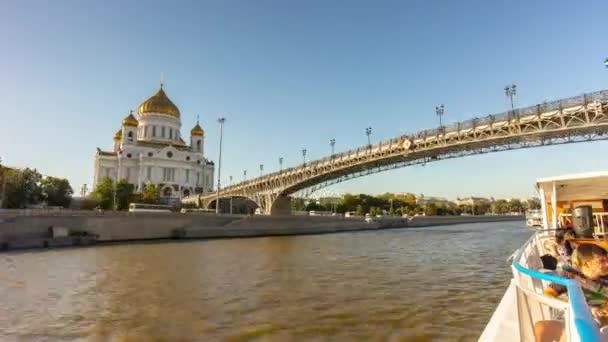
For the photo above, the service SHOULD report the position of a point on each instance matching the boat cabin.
(580, 199)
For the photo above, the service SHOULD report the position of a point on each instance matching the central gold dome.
(159, 103)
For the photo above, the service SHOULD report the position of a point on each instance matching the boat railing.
(533, 306)
(600, 222)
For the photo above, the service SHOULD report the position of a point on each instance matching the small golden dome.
(118, 135)
(159, 103)
(130, 120)
(197, 131)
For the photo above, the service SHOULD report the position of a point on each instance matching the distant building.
(471, 200)
(149, 149)
(424, 200)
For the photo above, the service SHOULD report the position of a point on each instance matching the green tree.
(104, 194)
(56, 191)
(534, 203)
(124, 191)
(430, 209)
(515, 205)
(151, 194)
(23, 188)
(359, 210)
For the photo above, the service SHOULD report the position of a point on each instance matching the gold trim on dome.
(118, 135)
(130, 120)
(159, 103)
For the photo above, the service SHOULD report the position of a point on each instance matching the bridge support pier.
(281, 206)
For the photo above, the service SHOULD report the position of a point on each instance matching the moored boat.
(576, 202)
(534, 218)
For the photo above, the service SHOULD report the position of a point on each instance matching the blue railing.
(586, 327)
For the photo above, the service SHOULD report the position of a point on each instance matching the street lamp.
(280, 164)
(221, 121)
(304, 155)
(332, 143)
(439, 110)
(244, 175)
(510, 91)
(261, 169)
(368, 132)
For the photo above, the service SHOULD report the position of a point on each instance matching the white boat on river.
(578, 202)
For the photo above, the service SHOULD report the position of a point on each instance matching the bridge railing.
(453, 127)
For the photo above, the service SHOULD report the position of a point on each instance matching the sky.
(289, 75)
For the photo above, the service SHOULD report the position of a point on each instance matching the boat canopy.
(582, 186)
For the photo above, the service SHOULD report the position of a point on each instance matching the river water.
(439, 284)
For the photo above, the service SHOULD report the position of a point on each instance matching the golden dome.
(197, 130)
(159, 103)
(130, 120)
(118, 135)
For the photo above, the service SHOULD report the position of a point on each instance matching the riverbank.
(87, 228)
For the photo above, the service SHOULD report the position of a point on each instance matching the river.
(439, 284)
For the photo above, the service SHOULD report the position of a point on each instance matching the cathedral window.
(162, 129)
(130, 136)
(128, 173)
(187, 176)
(170, 133)
(168, 174)
(149, 172)
(169, 154)
(188, 158)
(149, 154)
(128, 155)
(198, 145)
(154, 131)
(145, 131)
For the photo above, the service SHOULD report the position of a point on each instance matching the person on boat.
(590, 269)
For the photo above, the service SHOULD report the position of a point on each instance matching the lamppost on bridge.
(261, 169)
(221, 121)
(244, 175)
(510, 91)
(280, 164)
(304, 155)
(368, 132)
(332, 143)
(440, 110)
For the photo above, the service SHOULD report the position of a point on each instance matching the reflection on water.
(427, 284)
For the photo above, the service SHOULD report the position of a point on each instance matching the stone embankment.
(19, 231)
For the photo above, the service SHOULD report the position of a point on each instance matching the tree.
(430, 209)
(56, 191)
(22, 188)
(104, 194)
(534, 203)
(151, 194)
(124, 191)
(515, 205)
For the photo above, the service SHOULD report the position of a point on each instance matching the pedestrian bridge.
(576, 119)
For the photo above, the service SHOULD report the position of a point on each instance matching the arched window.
(198, 145)
(130, 136)
(186, 192)
(167, 192)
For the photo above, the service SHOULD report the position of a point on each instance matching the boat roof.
(581, 186)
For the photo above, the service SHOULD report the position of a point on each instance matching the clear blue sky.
(289, 75)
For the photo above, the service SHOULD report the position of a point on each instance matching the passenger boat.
(578, 202)
(534, 218)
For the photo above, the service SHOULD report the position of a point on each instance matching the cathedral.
(149, 149)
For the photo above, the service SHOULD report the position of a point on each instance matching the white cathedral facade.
(149, 149)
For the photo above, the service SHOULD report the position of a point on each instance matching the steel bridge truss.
(578, 119)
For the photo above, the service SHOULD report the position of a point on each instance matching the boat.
(534, 218)
(578, 202)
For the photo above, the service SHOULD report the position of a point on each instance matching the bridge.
(576, 119)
